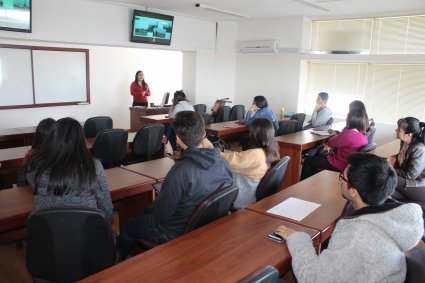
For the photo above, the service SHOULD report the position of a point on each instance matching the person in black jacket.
(199, 173)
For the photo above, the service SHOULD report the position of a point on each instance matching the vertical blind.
(389, 91)
(390, 35)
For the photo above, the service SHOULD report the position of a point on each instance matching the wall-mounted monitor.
(15, 15)
(151, 28)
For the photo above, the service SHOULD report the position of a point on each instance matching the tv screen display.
(151, 28)
(15, 15)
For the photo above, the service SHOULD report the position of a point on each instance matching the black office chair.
(270, 183)
(66, 244)
(330, 121)
(370, 133)
(146, 143)
(222, 114)
(200, 108)
(265, 274)
(213, 207)
(415, 263)
(287, 127)
(299, 117)
(237, 112)
(110, 147)
(369, 147)
(94, 125)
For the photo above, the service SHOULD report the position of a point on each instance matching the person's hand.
(317, 108)
(144, 93)
(284, 231)
(392, 160)
(327, 148)
(254, 108)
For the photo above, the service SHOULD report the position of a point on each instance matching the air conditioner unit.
(259, 46)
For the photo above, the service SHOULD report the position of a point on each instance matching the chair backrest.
(212, 208)
(200, 108)
(265, 274)
(287, 127)
(415, 263)
(66, 244)
(148, 140)
(330, 121)
(369, 147)
(110, 147)
(94, 125)
(300, 117)
(270, 183)
(237, 112)
(370, 133)
(222, 114)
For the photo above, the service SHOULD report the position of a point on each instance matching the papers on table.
(294, 208)
(320, 133)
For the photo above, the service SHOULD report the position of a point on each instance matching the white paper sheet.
(320, 133)
(294, 208)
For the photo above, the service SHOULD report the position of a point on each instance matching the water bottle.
(282, 113)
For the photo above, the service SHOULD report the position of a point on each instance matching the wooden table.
(15, 137)
(154, 119)
(388, 149)
(293, 145)
(227, 131)
(136, 112)
(223, 251)
(156, 169)
(323, 188)
(17, 203)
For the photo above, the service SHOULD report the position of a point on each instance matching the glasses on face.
(342, 178)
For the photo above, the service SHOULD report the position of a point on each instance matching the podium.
(137, 111)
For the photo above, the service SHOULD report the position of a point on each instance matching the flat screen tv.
(151, 28)
(15, 15)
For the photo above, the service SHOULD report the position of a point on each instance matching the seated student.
(179, 104)
(321, 113)
(251, 165)
(199, 173)
(64, 173)
(409, 163)
(367, 246)
(357, 104)
(350, 140)
(259, 109)
(40, 136)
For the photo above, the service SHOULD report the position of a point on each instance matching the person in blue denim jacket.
(259, 109)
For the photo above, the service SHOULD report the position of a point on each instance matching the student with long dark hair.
(409, 163)
(40, 136)
(350, 140)
(64, 173)
(139, 89)
(251, 165)
(260, 109)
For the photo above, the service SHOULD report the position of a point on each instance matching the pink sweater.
(345, 143)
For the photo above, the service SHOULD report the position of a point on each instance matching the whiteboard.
(59, 76)
(15, 77)
(34, 76)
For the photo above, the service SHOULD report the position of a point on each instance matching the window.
(389, 91)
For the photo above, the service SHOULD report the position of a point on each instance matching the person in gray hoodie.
(368, 245)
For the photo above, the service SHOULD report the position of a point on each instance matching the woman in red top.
(139, 89)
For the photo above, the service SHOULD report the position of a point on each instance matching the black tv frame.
(19, 29)
(151, 40)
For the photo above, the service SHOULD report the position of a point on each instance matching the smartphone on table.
(275, 237)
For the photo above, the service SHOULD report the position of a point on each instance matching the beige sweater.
(251, 163)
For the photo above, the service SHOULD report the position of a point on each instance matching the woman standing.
(409, 163)
(251, 165)
(139, 89)
(64, 173)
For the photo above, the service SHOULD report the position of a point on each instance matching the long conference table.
(130, 192)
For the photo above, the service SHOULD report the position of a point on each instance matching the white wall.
(105, 30)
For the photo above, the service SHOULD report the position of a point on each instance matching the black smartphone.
(275, 237)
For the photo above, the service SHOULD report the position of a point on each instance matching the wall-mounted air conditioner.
(259, 46)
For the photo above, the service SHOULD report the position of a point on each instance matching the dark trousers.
(171, 136)
(142, 226)
(140, 103)
(312, 164)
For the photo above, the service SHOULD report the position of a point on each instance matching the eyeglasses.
(342, 178)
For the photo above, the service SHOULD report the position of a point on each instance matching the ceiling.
(265, 9)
